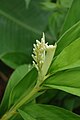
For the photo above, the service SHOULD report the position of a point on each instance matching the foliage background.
(21, 23)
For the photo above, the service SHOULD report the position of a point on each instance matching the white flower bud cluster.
(43, 55)
(39, 53)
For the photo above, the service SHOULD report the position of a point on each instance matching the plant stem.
(8, 115)
(12, 111)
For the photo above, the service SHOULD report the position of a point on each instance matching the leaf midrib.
(18, 22)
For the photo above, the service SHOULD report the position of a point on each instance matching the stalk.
(12, 111)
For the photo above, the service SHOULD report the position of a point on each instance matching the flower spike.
(43, 55)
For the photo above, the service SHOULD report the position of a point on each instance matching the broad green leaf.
(23, 87)
(15, 78)
(25, 116)
(73, 15)
(48, 112)
(19, 28)
(68, 58)
(68, 81)
(12, 59)
(68, 37)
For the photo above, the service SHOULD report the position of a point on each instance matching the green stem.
(12, 111)
(26, 98)
(8, 115)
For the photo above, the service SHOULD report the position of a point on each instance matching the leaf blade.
(72, 16)
(68, 37)
(16, 77)
(67, 81)
(25, 116)
(68, 58)
(48, 112)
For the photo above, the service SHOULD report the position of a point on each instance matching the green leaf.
(68, 58)
(19, 28)
(25, 116)
(68, 81)
(66, 3)
(48, 5)
(48, 112)
(55, 22)
(73, 15)
(23, 87)
(16, 61)
(15, 78)
(68, 37)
